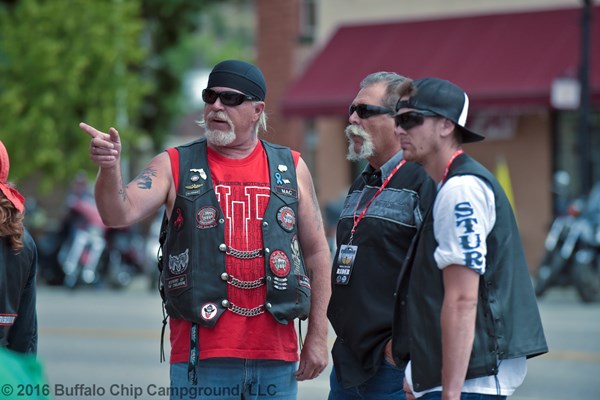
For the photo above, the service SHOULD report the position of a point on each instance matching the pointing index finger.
(90, 130)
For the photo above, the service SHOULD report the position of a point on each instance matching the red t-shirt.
(242, 189)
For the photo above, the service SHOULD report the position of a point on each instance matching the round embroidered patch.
(207, 217)
(279, 263)
(286, 218)
(209, 311)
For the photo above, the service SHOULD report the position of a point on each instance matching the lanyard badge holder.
(347, 253)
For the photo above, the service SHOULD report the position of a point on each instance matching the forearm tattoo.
(144, 179)
(123, 194)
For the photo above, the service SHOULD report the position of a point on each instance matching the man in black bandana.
(245, 252)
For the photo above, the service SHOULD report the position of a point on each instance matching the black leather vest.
(508, 323)
(194, 277)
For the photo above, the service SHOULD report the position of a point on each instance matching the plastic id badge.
(345, 264)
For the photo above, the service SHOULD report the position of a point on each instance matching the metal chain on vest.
(235, 282)
(244, 254)
(246, 312)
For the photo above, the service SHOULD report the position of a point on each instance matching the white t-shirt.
(464, 213)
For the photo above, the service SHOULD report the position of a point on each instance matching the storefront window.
(568, 155)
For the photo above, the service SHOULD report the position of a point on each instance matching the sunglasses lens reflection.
(227, 98)
(232, 98)
(362, 111)
(365, 111)
(409, 120)
(209, 96)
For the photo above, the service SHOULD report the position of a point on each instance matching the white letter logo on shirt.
(470, 241)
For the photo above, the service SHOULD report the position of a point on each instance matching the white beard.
(367, 148)
(220, 138)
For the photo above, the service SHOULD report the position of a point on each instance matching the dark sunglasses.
(227, 98)
(365, 111)
(411, 119)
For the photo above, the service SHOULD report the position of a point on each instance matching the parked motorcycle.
(573, 250)
(84, 252)
(71, 255)
(124, 257)
(555, 269)
(586, 268)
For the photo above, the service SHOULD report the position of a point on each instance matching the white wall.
(331, 13)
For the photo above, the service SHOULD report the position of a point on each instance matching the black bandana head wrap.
(239, 75)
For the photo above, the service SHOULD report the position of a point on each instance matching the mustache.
(367, 147)
(220, 115)
(355, 130)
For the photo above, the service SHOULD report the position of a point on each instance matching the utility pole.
(585, 160)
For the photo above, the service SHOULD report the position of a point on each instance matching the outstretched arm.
(121, 205)
(311, 233)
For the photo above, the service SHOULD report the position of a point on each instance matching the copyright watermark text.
(81, 391)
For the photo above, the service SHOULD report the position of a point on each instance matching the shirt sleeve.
(464, 213)
(23, 335)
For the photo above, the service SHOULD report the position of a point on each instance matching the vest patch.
(207, 217)
(295, 245)
(279, 283)
(7, 319)
(208, 311)
(279, 179)
(279, 263)
(286, 218)
(179, 263)
(303, 280)
(289, 192)
(194, 186)
(178, 282)
(199, 171)
(178, 222)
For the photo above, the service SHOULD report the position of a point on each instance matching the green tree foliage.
(62, 62)
(106, 62)
(168, 24)
(226, 31)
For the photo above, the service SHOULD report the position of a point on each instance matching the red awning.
(499, 60)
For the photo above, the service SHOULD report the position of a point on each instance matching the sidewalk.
(571, 369)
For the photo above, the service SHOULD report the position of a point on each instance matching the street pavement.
(103, 344)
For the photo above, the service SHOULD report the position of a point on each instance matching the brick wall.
(277, 36)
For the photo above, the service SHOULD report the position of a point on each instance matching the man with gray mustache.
(244, 246)
(381, 214)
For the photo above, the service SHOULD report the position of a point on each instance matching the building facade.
(505, 54)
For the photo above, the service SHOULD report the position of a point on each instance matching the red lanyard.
(456, 154)
(362, 214)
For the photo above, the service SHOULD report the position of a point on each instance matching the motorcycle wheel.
(71, 280)
(123, 279)
(548, 271)
(120, 272)
(586, 276)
